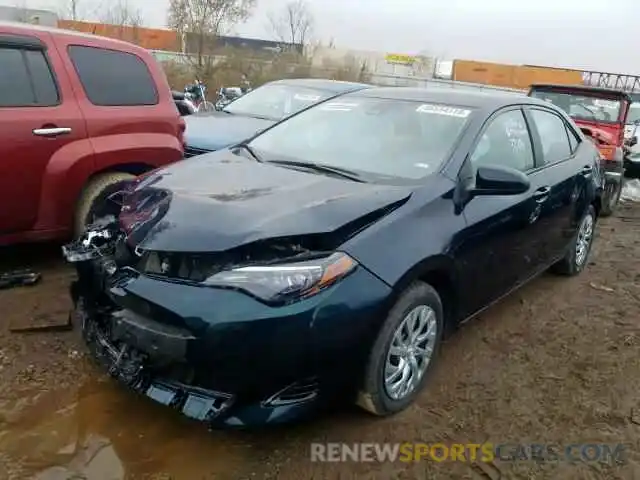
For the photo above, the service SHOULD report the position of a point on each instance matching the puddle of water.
(102, 432)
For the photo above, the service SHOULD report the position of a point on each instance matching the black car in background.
(257, 110)
(327, 257)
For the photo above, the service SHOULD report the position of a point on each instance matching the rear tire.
(376, 395)
(573, 262)
(93, 197)
(611, 198)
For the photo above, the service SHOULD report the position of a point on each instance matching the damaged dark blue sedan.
(326, 258)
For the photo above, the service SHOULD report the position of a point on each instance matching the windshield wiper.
(251, 151)
(318, 167)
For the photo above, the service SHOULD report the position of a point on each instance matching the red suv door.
(39, 120)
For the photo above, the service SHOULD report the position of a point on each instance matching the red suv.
(79, 114)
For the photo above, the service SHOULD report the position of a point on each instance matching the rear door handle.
(587, 170)
(51, 132)
(542, 194)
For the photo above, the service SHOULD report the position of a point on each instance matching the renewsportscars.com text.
(468, 452)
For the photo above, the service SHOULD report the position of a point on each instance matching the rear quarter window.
(112, 78)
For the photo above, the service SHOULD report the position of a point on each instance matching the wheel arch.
(439, 272)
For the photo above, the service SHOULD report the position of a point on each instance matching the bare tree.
(199, 22)
(125, 17)
(70, 10)
(294, 24)
(121, 13)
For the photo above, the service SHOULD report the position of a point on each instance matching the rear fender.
(153, 149)
(62, 182)
(72, 166)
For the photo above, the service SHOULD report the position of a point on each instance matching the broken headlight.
(282, 281)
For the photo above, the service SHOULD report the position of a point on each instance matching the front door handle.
(542, 194)
(51, 132)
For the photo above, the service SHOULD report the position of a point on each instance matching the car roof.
(480, 98)
(28, 28)
(583, 88)
(336, 86)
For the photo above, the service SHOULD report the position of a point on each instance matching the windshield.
(371, 136)
(583, 107)
(275, 101)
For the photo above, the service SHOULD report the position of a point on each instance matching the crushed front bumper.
(128, 364)
(220, 356)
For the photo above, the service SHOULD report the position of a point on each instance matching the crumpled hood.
(220, 200)
(217, 130)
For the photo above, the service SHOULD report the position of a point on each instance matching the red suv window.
(112, 78)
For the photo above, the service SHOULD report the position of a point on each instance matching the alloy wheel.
(583, 241)
(410, 352)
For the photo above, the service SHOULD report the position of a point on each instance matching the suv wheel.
(578, 255)
(404, 351)
(91, 204)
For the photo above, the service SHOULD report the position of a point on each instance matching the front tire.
(404, 352)
(92, 199)
(578, 255)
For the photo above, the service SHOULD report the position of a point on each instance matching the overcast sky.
(588, 34)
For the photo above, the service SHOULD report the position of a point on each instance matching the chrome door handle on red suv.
(51, 131)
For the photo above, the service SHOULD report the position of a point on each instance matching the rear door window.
(26, 79)
(112, 78)
(552, 131)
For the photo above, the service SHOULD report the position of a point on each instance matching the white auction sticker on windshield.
(444, 110)
(306, 98)
(339, 106)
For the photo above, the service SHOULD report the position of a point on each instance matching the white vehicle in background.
(631, 133)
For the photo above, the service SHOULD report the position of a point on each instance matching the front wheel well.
(442, 282)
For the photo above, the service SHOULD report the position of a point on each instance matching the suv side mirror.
(499, 180)
(633, 141)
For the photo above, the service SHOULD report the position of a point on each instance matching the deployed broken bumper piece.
(18, 278)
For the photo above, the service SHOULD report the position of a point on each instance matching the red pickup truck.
(79, 114)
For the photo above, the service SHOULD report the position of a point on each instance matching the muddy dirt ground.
(558, 362)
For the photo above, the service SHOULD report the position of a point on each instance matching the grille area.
(193, 151)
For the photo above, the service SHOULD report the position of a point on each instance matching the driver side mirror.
(499, 180)
(633, 141)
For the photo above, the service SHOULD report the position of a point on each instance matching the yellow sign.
(400, 58)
